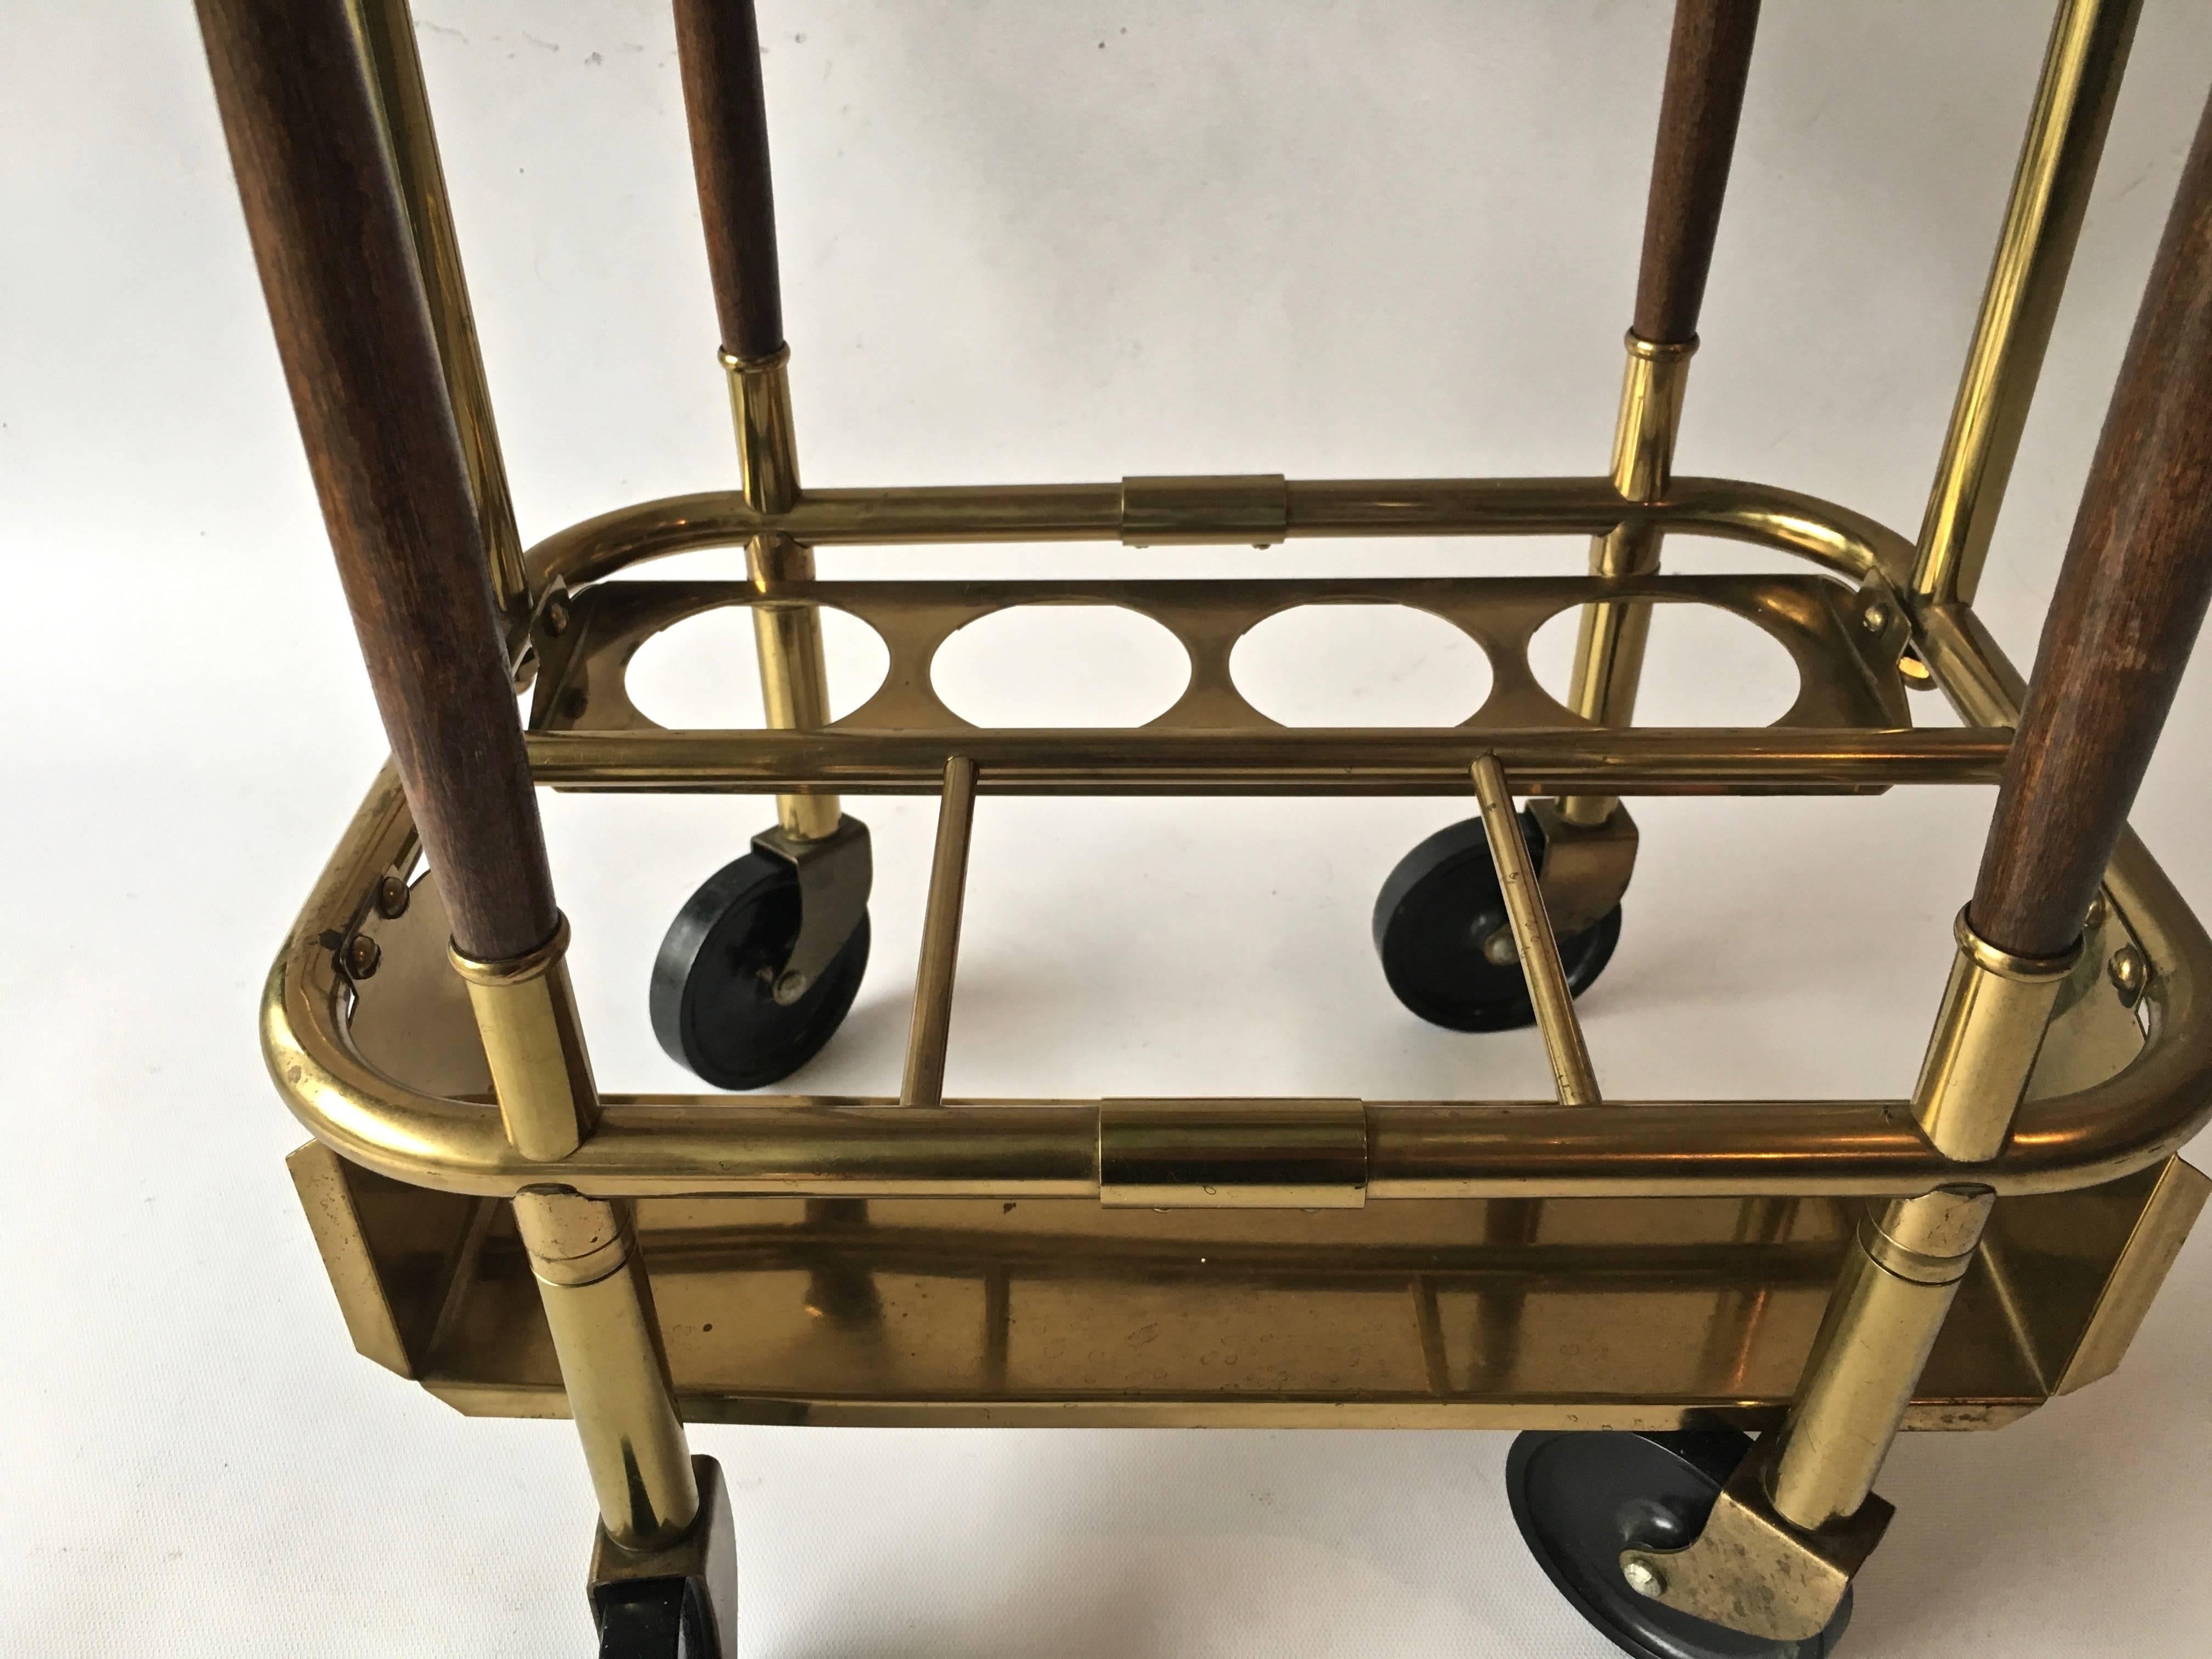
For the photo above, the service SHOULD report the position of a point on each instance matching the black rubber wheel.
(712, 1004)
(653, 1619)
(1580, 1499)
(1431, 919)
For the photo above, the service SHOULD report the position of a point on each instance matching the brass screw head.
(1874, 617)
(2130, 974)
(1643, 1578)
(362, 954)
(556, 618)
(392, 897)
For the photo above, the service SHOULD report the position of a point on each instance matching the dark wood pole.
(330, 238)
(2130, 598)
(1708, 61)
(718, 45)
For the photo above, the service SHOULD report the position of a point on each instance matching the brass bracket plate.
(835, 874)
(706, 1557)
(580, 686)
(1586, 866)
(1751, 1570)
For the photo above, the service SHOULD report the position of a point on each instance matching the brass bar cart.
(1819, 1274)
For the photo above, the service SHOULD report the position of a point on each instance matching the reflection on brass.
(1988, 1031)
(1572, 1075)
(1882, 1324)
(1308, 1155)
(932, 1029)
(534, 1040)
(1173, 512)
(1609, 646)
(386, 30)
(787, 639)
(2081, 83)
(613, 1368)
(1749, 1568)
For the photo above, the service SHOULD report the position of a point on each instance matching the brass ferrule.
(614, 1366)
(768, 442)
(1928, 1240)
(1988, 1032)
(1220, 1155)
(533, 1039)
(1650, 415)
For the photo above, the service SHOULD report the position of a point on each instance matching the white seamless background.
(1020, 242)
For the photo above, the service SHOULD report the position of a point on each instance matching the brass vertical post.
(924, 1083)
(2081, 83)
(598, 1306)
(794, 679)
(386, 31)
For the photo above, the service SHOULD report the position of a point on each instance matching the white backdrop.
(1020, 242)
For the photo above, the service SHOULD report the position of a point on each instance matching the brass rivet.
(1874, 617)
(2130, 974)
(362, 954)
(556, 618)
(392, 897)
(1643, 1578)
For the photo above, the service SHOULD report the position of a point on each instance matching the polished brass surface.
(533, 1039)
(318, 1177)
(1750, 1570)
(2080, 84)
(613, 1366)
(1883, 1322)
(1573, 1078)
(1609, 646)
(1168, 512)
(707, 1553)
(386, 30)
(1232, 1155)
(2156, 1233)
(923, 1084)
(1586, 866)
(1988, 1031)
(786, 639)
(1846, 542)
(1844, 681)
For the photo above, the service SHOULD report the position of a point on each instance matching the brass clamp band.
(1929, 1240)
(571, 1239)
(533, 1040)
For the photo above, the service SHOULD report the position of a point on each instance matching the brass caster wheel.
(724, 1002)
(1580, 1500)
(657, 1619)
(1440, 929)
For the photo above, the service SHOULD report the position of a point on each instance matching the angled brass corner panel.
(319, 1177)
(2161, 1229)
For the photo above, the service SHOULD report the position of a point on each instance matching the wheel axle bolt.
(1500, 948)
(1643, 1578)
(788, 988)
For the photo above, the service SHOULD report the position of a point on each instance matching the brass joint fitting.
(598, 1310)
(525, 1013)
(1214, 1155)
(1197, 511)
(1988, 1032)
(767, 442)
(1650, 415)
(1929, 1240)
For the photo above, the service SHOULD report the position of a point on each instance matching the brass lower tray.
(1583, 1313)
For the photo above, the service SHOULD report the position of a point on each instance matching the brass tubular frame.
(2082, 69)
(787, 640)
(1572, 1075)
(923, 1084)
(386, 32)
(1610, 644)
(1988, 1032)
(598, 1307)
